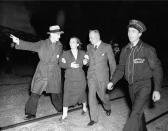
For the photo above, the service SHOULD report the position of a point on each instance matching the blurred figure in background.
(47, 76)
(9, 63)
(116, 50)
(75, 81)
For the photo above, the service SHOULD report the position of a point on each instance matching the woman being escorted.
(75, 81)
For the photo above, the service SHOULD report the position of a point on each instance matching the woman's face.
(73, 43)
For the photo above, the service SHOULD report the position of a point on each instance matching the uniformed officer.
(139, 63)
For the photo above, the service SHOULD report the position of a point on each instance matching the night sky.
(110, 17)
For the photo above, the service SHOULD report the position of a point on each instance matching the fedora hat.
(55, 29)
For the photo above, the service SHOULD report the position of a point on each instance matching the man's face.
(133, 34)
(93, 38)
(55, 36)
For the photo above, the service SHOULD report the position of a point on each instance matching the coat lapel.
(72, 56)
(100, 48)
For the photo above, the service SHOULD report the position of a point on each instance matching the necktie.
(95, 47)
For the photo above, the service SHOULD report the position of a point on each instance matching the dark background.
(76, 19)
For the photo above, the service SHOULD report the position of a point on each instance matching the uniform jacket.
(73, 73)
(139, 63)
(100, 61)
(48, 73)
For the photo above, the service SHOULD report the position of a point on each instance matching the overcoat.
(47, 76)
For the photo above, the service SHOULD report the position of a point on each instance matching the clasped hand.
(14, 39)
(74, 65)
(86, 59)
(110, 86)
(156, 96)
(63, 60)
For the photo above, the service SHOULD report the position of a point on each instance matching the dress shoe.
(91, 123)
(28, 117)
(62, 120)
(108, 112)
(83, 113)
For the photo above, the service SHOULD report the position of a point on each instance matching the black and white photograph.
(83, 65)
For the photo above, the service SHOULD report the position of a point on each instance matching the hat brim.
(55, 32)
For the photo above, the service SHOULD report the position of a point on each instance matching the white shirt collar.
(98, 44)
(75, 53)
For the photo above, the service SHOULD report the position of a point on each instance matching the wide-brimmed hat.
(55, 29)
(137, 25)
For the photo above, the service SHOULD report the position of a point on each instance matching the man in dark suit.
(100, 58)
(139, 63)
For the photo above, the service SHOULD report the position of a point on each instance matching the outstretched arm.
(24, 45)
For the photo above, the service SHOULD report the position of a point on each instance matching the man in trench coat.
(100, 59)
(47, 76)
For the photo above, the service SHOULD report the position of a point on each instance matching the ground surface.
(14, 92)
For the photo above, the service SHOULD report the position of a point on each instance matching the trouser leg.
(57, 101)
(136, 121)
(104, 97)
(31, 105)
(93, 105)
